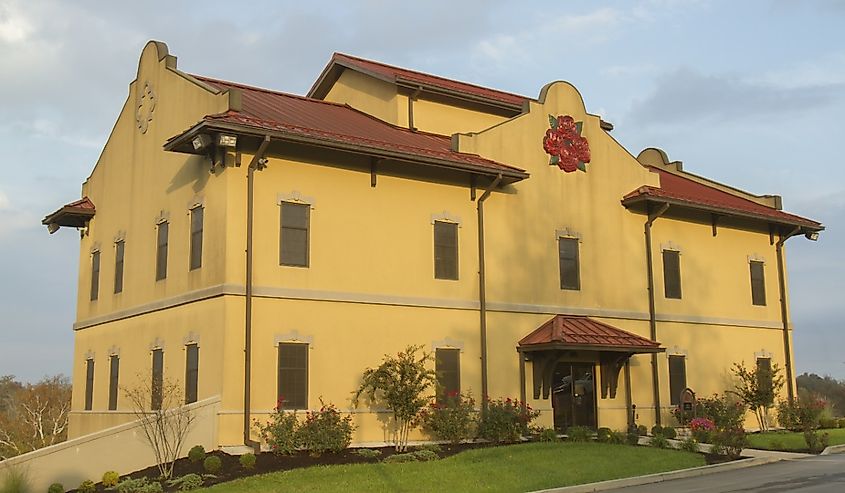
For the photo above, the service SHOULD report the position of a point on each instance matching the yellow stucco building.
(253, 245)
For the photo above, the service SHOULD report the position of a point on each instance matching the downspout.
(482, 292)
(652, 316)
(784, 315)
(256, 164)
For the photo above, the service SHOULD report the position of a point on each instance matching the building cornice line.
(408, 301)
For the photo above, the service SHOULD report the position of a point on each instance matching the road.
(814, 475)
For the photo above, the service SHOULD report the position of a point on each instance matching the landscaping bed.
(791, 441)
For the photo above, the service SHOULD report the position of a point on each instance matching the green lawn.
(514, 468)
(789, 440)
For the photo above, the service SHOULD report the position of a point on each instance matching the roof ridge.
(426, 74)
(240, 85)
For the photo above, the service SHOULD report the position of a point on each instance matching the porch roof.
(585, 333)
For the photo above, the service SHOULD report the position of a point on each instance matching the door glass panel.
(574, 395)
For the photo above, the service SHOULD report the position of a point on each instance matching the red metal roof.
(397, 74)
(685, 190)
(74, 214)
(576, 330)
(266, 109)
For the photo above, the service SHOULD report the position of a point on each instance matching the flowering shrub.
(724, 412)
(325, 430)
(805, 415)
(506, 420)
(452, 420)
(701, 429)
(280, 431)
(729, 442)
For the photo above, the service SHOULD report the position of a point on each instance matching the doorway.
(574, 395)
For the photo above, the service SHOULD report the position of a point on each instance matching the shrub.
(632, 438)
(247, 461)
(827, 423)
(137, 486)
(196, 454)
(788, 415)
(617, 437)
(368, 453)
(15, 481)
(656, 430)
(689, 444)
(725, 413)
(56, 488)
(425, 455)
(702, 428)
(187, 482)
(280, 431)
(547, 435)
(841, 422)
(110, 479)
(816, 441)
(603, 435)
(658, 441)
(670, 432)
(757, 387)
(212, 464)
(729, 442)
(434, 447)
(87, 486)
(579, 434)
(642, 430)
(325, 430)
(506, 420)
(400, 458)
(453, 420)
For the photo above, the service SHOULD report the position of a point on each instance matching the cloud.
(4, 201)
(14, 27)
(686, 95)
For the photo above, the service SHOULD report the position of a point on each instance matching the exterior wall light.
(812, 236)
(201, 141)
(227, 140)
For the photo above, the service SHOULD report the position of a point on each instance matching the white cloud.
(4, 201)
(14, 27)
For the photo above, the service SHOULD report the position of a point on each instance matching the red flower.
(565, 144)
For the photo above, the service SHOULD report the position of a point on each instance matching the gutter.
(256, 164)
(652, 315)
(784, 315)
(482, 292)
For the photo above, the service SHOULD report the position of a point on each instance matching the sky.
(748, 93)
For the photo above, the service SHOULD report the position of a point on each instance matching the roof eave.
(175, 144)
(644, 198)
(589, 347)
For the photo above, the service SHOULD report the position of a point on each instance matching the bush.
(247, 461)
(368, 453)
(280, 431)
(137, 486)
(212, 464)
(453, 420)
(425, 455)
(669, 432)
(642, 430)
(579, 434)
(617, 437)
(547, 435)
(325, 430)
(14, 481)
(603, 435)
(841, 423)
(506, 420)
(87, 486)
(702, 428)
(788, 415)
(724, 412)
(729, 442)
(196, 454)
(434, 447)
(656, 430)
(400, 458)
(187, 482)
(110, 479)
(56, 488)
(658, 441)
(827, 423)
(801, 416)
(816, 441)
(632, 438)
(689, 444)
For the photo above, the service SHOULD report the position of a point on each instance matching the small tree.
(32, 416)
(399, 382)
(757, 388)
(165, 429)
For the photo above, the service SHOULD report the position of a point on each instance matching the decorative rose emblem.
(563, 141)
(145, 106)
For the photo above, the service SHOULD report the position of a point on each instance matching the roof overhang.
(640, 201)
(562, 346)
(182, 143)
(580, 333)
(73, 215)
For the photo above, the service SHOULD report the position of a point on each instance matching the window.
(118, 266)
(445, 250)
(570, 275)
(677, 378)
(672, 274)
(192, 362)
(89, 384)
(294, 234)
(158, 379)
(293, 376)
(161, 252)
(447, 367)
(758, 283)
(95, 275)
(764, 373)
(114, 371)
(196, 238)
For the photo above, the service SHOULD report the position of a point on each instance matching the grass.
(514, 468)
(14, 480)
(790, 440)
